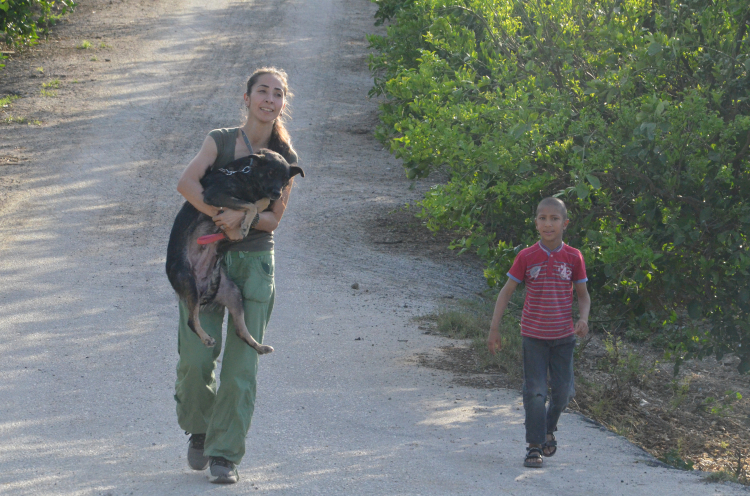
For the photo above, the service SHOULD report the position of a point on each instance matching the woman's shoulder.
(224, 139)
(222, 133)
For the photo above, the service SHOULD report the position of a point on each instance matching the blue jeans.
(540, 356)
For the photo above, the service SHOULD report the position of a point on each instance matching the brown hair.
(553, 202)
(280, 141)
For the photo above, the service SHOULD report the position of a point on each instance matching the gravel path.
(88, 320)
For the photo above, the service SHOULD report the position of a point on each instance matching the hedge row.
(23, 21)
(635, 112)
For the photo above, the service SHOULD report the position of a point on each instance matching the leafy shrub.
(24, 21)
(721, 476)
(635, 112)
(673, 458)
(626, 368)
(680, 391)
(723, 406)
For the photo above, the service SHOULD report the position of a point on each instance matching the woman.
(220, 419)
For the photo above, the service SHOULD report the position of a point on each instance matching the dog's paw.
(209, 342)
(262, 204)
(264, 349)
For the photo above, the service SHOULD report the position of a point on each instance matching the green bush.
(24, 21)
(634, 112)
(673, 458)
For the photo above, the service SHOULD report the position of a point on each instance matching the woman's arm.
(268, 221)
(189, 184)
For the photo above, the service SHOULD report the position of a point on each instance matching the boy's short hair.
(553, 202)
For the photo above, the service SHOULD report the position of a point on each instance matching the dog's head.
(261, 175)
(272, 172)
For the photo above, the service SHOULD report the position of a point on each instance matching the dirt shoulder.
(697, 419)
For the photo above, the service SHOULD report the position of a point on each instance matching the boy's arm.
(494, 342)
(584, 306)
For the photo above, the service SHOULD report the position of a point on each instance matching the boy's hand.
(582, 328)
(494, 342)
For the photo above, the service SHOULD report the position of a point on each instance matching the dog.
(194, 270)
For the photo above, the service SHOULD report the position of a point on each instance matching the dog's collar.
(244, 170)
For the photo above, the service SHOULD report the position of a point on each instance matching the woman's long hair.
(280, 141)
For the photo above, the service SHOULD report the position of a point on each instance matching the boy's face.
(550, 224)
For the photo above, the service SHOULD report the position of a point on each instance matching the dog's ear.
(255, 160)
(294, 170)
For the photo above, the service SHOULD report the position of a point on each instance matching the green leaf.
(695, 310)
(582, 191)
(650, 129)
(654, 48)
(593, 181)
(520, 129)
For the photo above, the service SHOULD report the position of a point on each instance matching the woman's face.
(266, 99)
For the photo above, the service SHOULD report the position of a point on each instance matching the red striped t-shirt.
(549, 277)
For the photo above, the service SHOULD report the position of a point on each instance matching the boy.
(550, 269)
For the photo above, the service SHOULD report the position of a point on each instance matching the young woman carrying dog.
(220, 419)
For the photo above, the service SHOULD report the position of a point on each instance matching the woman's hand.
(230, 222)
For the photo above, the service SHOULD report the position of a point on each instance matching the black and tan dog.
(195, 270)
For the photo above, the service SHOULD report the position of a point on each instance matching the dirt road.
(87, 317)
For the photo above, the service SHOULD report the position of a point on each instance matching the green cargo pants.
(224, 415)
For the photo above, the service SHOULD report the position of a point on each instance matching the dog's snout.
(275, 195)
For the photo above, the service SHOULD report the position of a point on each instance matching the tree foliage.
(635, 112)
(24, 21)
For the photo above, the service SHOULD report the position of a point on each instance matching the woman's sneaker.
(195, 457)
(223, 471)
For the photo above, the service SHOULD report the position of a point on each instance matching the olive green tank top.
(255, 240)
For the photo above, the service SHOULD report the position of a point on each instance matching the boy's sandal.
(549, 447)
(533, 458)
